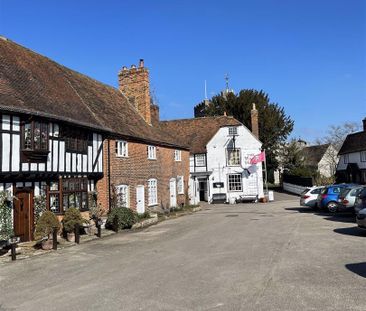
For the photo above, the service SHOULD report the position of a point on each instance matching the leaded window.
(35, 136)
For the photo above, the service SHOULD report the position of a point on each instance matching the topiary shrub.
(121, 218)
(45, 224)
(71, 218)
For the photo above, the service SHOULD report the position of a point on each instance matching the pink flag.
(258, 158)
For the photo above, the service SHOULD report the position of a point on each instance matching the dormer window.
(35, 136)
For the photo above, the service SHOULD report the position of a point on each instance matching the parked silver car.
(347, 198)
(309, 196)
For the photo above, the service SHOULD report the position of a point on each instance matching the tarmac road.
(274, 256)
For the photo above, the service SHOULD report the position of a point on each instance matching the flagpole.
(265, 172)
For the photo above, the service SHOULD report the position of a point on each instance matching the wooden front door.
(23, 216)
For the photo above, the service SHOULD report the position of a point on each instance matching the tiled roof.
(354, 143)
(197, 132)
(313, 154)
(33, 84)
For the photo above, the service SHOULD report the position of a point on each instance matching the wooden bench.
(218, 198)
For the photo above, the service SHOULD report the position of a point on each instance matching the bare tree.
(336, 134)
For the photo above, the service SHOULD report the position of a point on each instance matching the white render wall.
(252, 184)
(354, 157)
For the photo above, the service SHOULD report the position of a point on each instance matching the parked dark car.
(328, 198)
(360, 201)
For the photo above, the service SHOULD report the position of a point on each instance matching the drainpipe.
(109, 174)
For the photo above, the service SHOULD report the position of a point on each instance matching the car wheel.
(332, 207)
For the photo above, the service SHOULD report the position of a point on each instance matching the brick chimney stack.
(254, 119)
(135, 84)
(364, 124)
(155, 115)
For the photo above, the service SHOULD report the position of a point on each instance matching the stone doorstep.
(26, 249)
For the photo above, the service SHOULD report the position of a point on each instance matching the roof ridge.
(199, 118)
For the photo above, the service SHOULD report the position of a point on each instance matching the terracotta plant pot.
(47, 244)
(71, 237)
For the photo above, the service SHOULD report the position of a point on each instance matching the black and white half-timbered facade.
(54, 160)
(56, 129)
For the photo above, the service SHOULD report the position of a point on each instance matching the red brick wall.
(136, 169)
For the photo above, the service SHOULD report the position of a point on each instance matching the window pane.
(54, 185)
(233, 156)
(235, 182)
(27, 136)
(44, 130)
(54, 203)
(37, 135)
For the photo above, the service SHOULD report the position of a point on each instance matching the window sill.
(153, 159)
(121, 156)
(152, 204)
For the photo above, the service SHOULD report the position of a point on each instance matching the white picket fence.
(296, 189)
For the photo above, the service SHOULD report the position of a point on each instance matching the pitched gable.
(197, 132)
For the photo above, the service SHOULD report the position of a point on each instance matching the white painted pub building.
(221, 149)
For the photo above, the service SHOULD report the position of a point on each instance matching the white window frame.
(177, 155)
(152, 190)
(238, 157)
(151, 152)
(122, 148)
(180, 184)
(233, 130)
(200, 160)
(124, 190)
(233, 184)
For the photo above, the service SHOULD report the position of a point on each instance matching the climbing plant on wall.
(6, 224)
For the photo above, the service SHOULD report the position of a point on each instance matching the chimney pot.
(133, 66)
(141, 63)
(254, 119)
(124, 68)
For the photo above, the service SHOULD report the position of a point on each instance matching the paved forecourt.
(274, 256)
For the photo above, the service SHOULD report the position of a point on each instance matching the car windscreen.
(316, 191)
(324, 191)
(305, 191)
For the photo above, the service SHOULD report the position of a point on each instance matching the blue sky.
(309, 56)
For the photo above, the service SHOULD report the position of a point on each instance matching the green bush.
(45, 224)
(71, 218)
(121, 218)
(145, 215)
(6, 224)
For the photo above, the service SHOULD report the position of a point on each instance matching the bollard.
(99, 228)
(13, 251)
(54, 238)
(77, 233)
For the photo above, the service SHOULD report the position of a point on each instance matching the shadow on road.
(350, 231)
(347, 218)
(299, 209)
(358, 268)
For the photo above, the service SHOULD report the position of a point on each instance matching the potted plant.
(71, 218)
(95, 212)
(46, 223)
